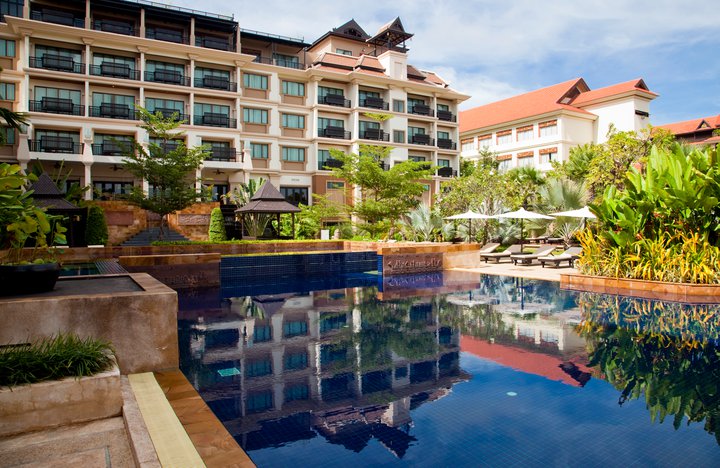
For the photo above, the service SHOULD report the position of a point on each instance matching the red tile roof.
(366, 61)
(433, 78)
(614, 90)
(328, 58)
(690, 126)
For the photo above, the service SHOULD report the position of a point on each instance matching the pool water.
(446, 370)
(79, 269)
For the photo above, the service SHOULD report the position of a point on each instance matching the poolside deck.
(520, 271)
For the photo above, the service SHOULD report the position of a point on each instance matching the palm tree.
(12, 119)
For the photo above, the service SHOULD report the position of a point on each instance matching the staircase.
(148, 236)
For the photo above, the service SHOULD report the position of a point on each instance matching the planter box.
(53, 403)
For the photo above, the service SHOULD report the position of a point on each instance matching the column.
(88, 22)
(87, 180)
(192, 31)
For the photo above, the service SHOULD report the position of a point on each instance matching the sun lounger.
(489, 247)
(527, 259)
(570, 255)
(513, 249)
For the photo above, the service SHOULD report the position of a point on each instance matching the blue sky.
(494, 49)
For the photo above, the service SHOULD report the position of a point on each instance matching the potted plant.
(22, 224)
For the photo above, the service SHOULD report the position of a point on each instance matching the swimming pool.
(438, 370)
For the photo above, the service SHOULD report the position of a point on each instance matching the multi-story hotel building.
(269, 106)
(701, 132)
(536, 128)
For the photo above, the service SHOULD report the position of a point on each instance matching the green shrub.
(96, 231)
(54, 358)
(216, 232)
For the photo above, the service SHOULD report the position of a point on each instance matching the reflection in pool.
(453, 369)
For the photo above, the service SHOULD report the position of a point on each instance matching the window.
(100, 59)
(412, 131)
(548, 128)
(107, 190)
(504, 165)
(324, 91)
(202, 109)
(332, 322)
(74, 55)
(262, 333)
(467, 145)
(416, 158)
(211, 78)
(55, 93)
(165, 72)
(485, 141)
(9, 135)
(443, 163)
(11, 8)
(293, 154)
(322, 156)
(103, 98)
(7, 91)
(168, 106)
(548, 155)
(258, 368)
(525, 133)
(343, 51)
(398, 106)
(218, 190)
(291, 329)
(289, 61)
(401, 372)
(296, 392)
(324, 122)
(398, 136)
(334, 185)
(296, 360)
(443, 108)
(255, 116)
(292, 88)
(259, 402)
(364, 125)
(443, 135)
(412, 102)
(7, 48)
(259, 150)
(504, 138)
(112, 145)
(295, 195)
(526, 161)
(293, 121)
(255, 81)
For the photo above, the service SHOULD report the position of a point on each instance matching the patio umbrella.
(583, 213)
(469, 215)
(522, 214)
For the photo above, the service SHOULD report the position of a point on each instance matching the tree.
(216, 232)
(96, 230)
(523, 187)
(169, 167)
(386, 195)
(254, 223)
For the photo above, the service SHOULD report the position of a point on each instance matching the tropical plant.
(422, 224)
(216, 230)
(15, 120)
(253, 223)
(522, 185)
(96, 230)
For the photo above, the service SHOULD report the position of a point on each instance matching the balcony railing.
(53, 144)
(334, 100)
(217, 43)
(215, 82)
(114, 26)
(278, 62)
(421, 109)
(112, 148)
(447, 116)
(115, 70)
(57, 62)
(223, 154)
(375, 134)
(210, 119)
(168, 35)
(168, 77)
(65, 18)
(374, 103)
(445, 143)
(112, 111)
(329, 164)
(446, 172)
(334, 132)
(421, 139)
(170, 113)
(57, 106)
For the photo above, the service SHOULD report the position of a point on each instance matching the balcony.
(215, 82)
(210, 119)
(58, 63)
(112, 148)
(66, 18)
(53, 105)
(56, 144)
(168, 77)
(110, 110)
(446, 143)
(374, 103)
(420, 139)
(223, 154)
(447, 116)
(421, 109)
(115, 70)
(210, 42)
(114, 26)
(171, 114)
(446, 172)
(337, 100)
(375, 134)
(167, 35)
(279, 62)
(334, 132)
(329, 164)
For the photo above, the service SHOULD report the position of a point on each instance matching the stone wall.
(123, 220)
(178, 270)
(194, 221)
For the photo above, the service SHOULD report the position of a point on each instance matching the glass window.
(548, 129)
(262, 333)
(11, 8)
(107, 190)
(548, 157)
(103, 98)
(295, 195)
(484, 142)
(41, 51)
(364, 125)
(41, 92)
(332, 322)
(524, 134)
(324, 122)
(293, 154)
(443, 107)
(324, 91)
(258, 368)
(398, 136)
(259, 150)
(443, 135)
(416, 158)
(322, 156)
(255, 81)
(153, 104)
(293, 121)
(296, 392)
(412, 131)
(7, 91)
(468, 145)
(7, 48)
(255, 116)
(296, 328)
(289, 61)
(398, 106)
(526, 161)
(9, 134)
(292, 88)
(201, 73)
(296, 360)
(334, 185)
(443, 163)
(99, 59)
(343, 51)
(176, 69)
(504, 165)
(257, 402)
(201, 109)
(368, 94)
(504, 139)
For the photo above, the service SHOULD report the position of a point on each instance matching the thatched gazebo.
(268, 200)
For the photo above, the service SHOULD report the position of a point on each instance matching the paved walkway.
(520, 271)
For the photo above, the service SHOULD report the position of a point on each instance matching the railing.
(215, 120)
(57, 17)
(272, 36)
(280, 62)
(421, 140)
(445, 143)
(182, 9)
(334, 100)
(217, 43)
(376, 134)
(224, 154)
(446, 172)
(421, 109)
(113, 111)
(57, 62)
(334, 132)
(112, 148)
(56, 145)
(171, 113)
(115, 70)
(168, 77)
(374, 103)
(215, 82)
(114, 26)
(446, 116)
(57, 106)
(329, 164)
(167, 35)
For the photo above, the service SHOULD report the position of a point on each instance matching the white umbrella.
(470, 214)
(583, 212)
(523, 214)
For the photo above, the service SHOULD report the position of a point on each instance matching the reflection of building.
(287, 367)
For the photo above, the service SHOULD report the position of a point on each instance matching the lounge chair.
(570, 255)
(527, 259)
(513, 249)
(489, 247)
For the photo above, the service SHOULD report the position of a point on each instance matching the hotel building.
(536, 128)
(701, 132)
(267, 105)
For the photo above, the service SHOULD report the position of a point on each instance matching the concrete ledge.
(54, 403)
(179, 270)
(141, 445)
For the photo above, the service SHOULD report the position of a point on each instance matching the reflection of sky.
(546, 424)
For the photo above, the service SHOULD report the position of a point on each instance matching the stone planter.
(54, 403)
(28, 279)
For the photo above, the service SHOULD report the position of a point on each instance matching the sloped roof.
(46, 194)
(691, 126)
(391, 34)
(613, 90)
(268, 199)
(337, 60)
